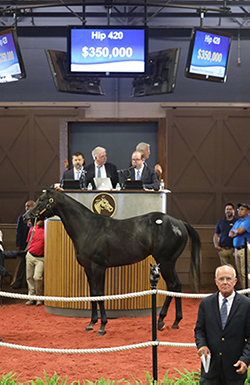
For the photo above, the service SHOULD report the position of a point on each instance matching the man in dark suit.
(100, 168)
(142, 172)
(223, 331)
(22, 231)
(145, 149)
(77, 171)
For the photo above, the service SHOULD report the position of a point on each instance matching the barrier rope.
(108, 297)
(100, 350)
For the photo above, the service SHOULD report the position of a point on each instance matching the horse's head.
(106, 205)
(43, 207)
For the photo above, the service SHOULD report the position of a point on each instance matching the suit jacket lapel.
(144, 172)
(215, 306)
(234, 307)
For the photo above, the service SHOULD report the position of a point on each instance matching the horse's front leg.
(96, 279)
(104, 320)
(94, 317)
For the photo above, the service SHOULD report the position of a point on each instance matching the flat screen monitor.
(161, 74)
(208, 55)
(11, 63)
(72, 84)
(107, 51)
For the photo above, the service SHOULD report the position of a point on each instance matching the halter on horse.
(101, 242)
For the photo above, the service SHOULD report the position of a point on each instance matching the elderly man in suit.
(223, 331)
(77, 171)
(143, 172)
(100, 168)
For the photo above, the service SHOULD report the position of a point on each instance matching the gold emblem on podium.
(103, 204)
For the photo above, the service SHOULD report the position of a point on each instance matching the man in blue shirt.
(240, 231)
(222, 242)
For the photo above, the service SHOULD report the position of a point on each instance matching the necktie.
(223, 313)
(78, 175)
(138, 176)
(99, 172)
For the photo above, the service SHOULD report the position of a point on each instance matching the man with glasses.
(100, 168)
(240, 231)
(222, 332)
(142, 172)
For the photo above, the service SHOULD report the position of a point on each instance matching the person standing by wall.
(22, 231)
(35, 262)
(223, 331)
(240, 231)
(222, 242)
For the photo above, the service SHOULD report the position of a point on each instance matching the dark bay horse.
(101, 242)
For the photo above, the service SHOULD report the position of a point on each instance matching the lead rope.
(20, 258)
(33, 230)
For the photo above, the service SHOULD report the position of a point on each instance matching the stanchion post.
(246, 263)
(154, 278)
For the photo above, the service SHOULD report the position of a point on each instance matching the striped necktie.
(138, 175)
(223, 313)
(78, 175)
(99, 172)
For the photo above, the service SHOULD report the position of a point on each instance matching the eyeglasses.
(227, 279)
(135, 160)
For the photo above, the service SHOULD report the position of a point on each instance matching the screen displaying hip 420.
(210, 54)
(107, 50)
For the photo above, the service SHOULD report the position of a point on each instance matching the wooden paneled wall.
(29, 155)
(205, 154)
(208, 155)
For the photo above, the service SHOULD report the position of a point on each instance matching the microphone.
(78, 166)
(126, 169)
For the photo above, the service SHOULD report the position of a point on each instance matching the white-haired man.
(100, 168)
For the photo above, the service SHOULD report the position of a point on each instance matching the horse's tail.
(195, 263)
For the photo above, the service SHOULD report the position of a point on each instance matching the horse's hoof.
(174, 326)
(161, 325)
(88, 328)
(101, 333)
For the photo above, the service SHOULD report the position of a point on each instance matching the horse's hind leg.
(173, 284)
(163, 313)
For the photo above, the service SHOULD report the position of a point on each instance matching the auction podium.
(64, 277)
